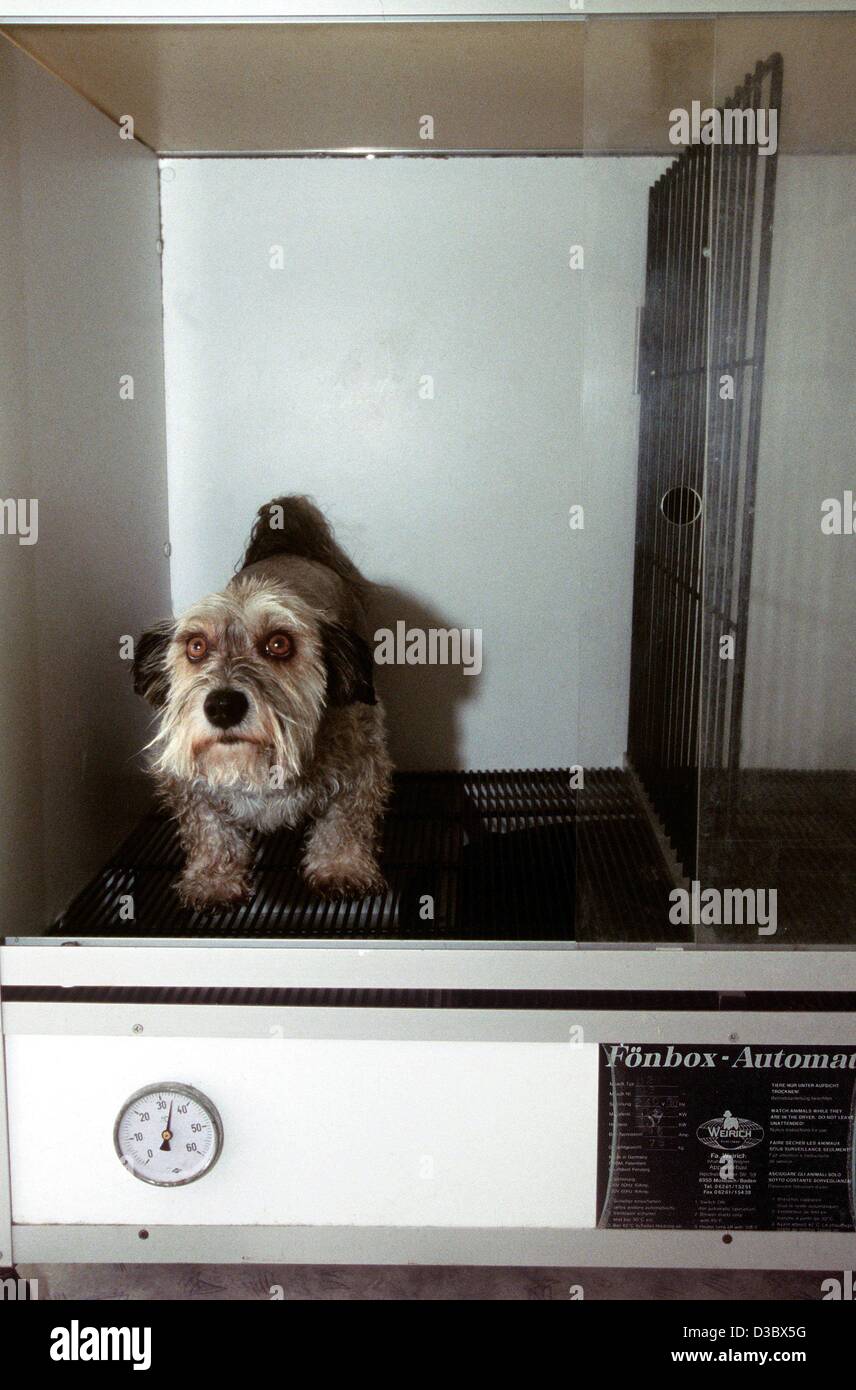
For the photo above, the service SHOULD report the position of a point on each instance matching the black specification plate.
(736, 1137)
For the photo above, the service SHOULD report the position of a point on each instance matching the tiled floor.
(151, 1282)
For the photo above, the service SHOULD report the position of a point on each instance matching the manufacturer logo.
(729, 1133)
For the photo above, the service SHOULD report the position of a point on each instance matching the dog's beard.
(272, 745)
(233, 761)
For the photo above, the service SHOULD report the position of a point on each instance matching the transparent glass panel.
(777, 825)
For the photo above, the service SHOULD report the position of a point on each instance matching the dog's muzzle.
(225, 708)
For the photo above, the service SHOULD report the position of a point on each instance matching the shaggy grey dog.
(268, 714)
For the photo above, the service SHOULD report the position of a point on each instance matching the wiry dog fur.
(284, 637)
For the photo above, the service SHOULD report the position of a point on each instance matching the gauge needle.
(167, 1133)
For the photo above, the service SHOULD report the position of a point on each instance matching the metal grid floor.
(467, 856)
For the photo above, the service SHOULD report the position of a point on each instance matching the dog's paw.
(333, 883)
(197, 891)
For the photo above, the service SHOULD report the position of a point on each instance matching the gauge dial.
(168, 1134)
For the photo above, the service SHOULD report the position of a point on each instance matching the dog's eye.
(279, 645)
(196, 648)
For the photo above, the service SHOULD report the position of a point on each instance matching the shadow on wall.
(422, 701)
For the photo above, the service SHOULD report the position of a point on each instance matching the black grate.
(499, 855)
(744, 190)
(709, 241)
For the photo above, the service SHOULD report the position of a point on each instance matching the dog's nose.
(225, 707)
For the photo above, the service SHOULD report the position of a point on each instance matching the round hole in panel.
(681, 506)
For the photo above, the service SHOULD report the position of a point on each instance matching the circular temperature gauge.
(168, 1134)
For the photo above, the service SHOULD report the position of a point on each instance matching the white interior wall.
(615, 199)
(306, 378)
(21, 849)
(798, 704)
(80, 234)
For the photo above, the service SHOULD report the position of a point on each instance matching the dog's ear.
(349, 663)
(149, 669)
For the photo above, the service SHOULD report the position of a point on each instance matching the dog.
(268, 714)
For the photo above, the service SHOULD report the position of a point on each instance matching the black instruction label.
(695, 1137)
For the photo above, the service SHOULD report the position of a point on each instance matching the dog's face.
(242, 681)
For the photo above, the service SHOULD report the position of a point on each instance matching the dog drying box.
(553, 319)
